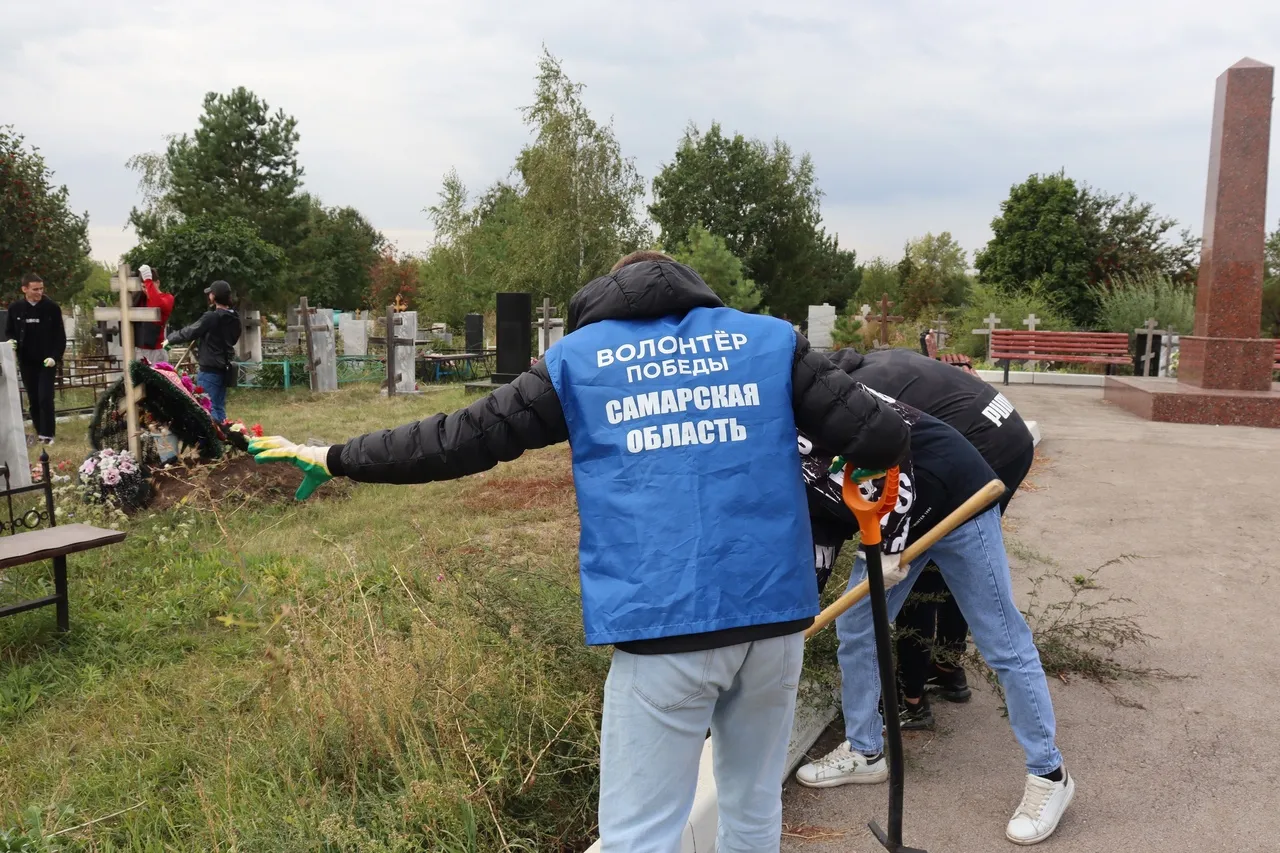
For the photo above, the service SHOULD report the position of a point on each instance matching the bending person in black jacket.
(930, 623)
(218, 330)
(678, 410)
(943, 470)
(39, 338)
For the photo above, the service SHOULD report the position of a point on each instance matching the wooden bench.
(1107, 348)
(48, 543)
(929, 346)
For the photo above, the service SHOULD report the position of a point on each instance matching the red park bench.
(1108, 348)
(1276, 366)
(49, 543)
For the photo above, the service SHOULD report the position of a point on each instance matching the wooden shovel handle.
(981, 499)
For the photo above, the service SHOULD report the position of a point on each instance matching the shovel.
(868, 513)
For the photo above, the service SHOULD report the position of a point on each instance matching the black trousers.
(38, 382)
(930, 623)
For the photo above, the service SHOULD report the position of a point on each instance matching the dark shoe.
(915, 717)
(952, 685)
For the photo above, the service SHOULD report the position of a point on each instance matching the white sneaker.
(1043, 803)
(843, 765)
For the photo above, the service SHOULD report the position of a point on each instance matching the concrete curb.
(1020, 377)
(815, 709)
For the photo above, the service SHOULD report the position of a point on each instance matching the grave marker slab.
(475, 332)
(515, 344)
(13, 439)
(354, 330)
(822, 319)
(550, 327)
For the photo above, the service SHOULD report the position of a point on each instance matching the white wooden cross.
(1149, 331)
(1030, 322)
(992, 321)
(125, 283)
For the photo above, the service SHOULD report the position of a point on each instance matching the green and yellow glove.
(859, 474)
(312, 460)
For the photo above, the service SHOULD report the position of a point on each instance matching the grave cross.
(316, 357)
(393, 340)
(992, 321)
(1150, 332)
(1031, 321)
(940, 331)
(884, 319)
(125, 283)
(547, 313)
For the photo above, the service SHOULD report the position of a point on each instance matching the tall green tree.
(158, 210)
(1071, 238)
(708, 255)
(879, 279)
(38, 231)
(933, 274)
(759, 198)
(199, 250)
(332, 263)
(579, 195)
(241, 161)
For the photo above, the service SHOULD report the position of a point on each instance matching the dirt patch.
(237, 478)
(506, 494)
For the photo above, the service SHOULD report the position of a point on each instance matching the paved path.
(1181, 765)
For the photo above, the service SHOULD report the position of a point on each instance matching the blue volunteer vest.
(685, 465)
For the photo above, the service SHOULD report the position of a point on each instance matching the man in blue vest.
(696, 557)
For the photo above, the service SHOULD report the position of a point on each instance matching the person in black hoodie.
(930, 623)
(677, 410)
(218, 330)
(942, 471)
(39, 338)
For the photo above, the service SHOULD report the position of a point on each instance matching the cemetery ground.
(394, 668)
(1178, 753)
(380, 668)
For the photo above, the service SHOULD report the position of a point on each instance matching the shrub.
(1012, 308)
(1127, 302)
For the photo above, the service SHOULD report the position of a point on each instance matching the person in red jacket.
(147, 337)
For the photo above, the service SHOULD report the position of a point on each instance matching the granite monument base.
(1171, 401)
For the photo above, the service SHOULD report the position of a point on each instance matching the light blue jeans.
(657, 710)
(973, 563)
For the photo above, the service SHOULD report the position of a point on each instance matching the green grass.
(378, 669)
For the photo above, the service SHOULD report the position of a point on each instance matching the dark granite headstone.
(475, 332)
(4, 324)
(515, 340)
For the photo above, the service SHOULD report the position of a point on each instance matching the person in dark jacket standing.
(39, 338)
(930, 623)
(677, 410)
(218, 330)
(942, 471)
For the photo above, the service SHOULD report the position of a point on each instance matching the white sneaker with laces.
(1043, 803)
(843, 765)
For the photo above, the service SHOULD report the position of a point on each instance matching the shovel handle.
(981, 499)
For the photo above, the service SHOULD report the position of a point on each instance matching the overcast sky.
(919, 115)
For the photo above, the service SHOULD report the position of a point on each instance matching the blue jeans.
(973, 563)
(215, 385)
(657, 710)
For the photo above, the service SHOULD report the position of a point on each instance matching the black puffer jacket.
(218, 332)
(526, 413)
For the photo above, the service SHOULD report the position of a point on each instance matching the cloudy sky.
(919, 115)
